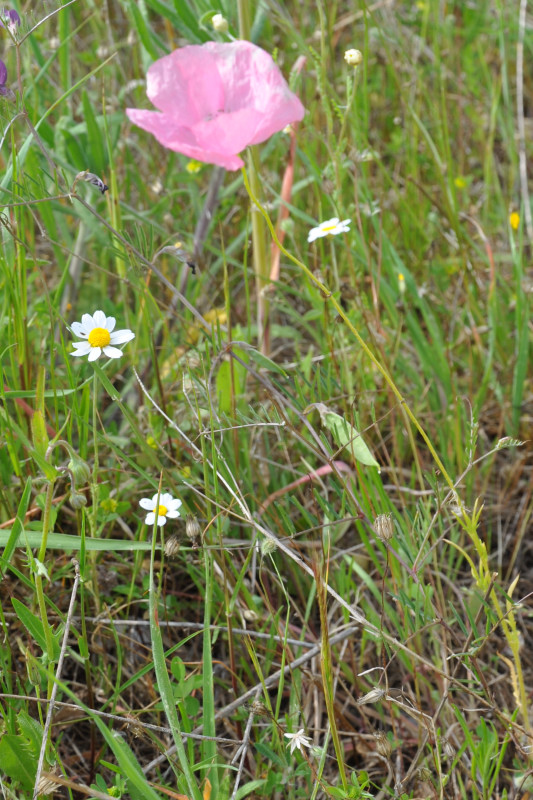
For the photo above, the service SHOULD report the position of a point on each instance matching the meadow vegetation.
(336, 427)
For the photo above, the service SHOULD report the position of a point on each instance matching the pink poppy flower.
(215, 99)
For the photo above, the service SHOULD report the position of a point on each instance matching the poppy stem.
(259, 247)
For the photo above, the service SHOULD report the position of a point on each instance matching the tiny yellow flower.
(401, 282)
(460, 182)
(514, 220)
(193, 166)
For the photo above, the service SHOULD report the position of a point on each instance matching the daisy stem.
(259, 247)
(94, 482)
(39, 579)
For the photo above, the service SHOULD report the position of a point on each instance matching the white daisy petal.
(78, 330)
(112, 352)
(99, 319)
(150, 518)
(110, 324)
(161, 521)
(121, 337)
(147, 504)
(172, 513)
(87, 322)
(154, 499)
(95, 353)
(166, 499)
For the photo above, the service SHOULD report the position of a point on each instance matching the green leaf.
(67, 542)
(17, 760)
(13, 535)
(35, 627)
(345, 435)
(266, 363)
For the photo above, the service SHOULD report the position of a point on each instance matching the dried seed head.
(172, 545)
(268, 546)
(372, 696)
(384, 527)
(383, 745)
(47, 784)
(447, 749)
(193, 530)
(134, 727)
(259, 709)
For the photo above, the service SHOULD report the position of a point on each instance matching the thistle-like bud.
(384, 527)
(353, 57)
(383, 745)
(77, 499)
(193, 530)
(172, 545)
(79, 469)
(268, 546)
(219, 23)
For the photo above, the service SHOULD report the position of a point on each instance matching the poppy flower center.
(162, 511)
(99, 337)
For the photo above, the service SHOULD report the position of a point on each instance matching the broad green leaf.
(67, 542)
(17, 760)
(345, 435)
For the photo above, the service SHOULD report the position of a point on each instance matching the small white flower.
(219, 23)
(353, 57)
(331, 227)
(297, 740)
(168, 507)
(99, 332)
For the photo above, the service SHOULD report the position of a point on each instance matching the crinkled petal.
(99, 319)
(150, 518)
(112, 352)
(181, 139)
(147, 504)
(121, 337)
(216, 99)
(186, 84)
(95, 353)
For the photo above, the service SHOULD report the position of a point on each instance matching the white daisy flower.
(168, 507)
(331, 227)
(297, 740)
(353, 57)
(99, 332)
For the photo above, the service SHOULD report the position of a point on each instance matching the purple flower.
(10, 18)
(3, 78)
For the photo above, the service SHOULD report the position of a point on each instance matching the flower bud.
(219, 23)
(79, 469)
(172, 546)
(77, 500)
(383, 745)
(193, 530)
(384, 527)
(353, 57)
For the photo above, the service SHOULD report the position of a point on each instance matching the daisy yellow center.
(329, 228)
(99, 337)
(162, 511)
